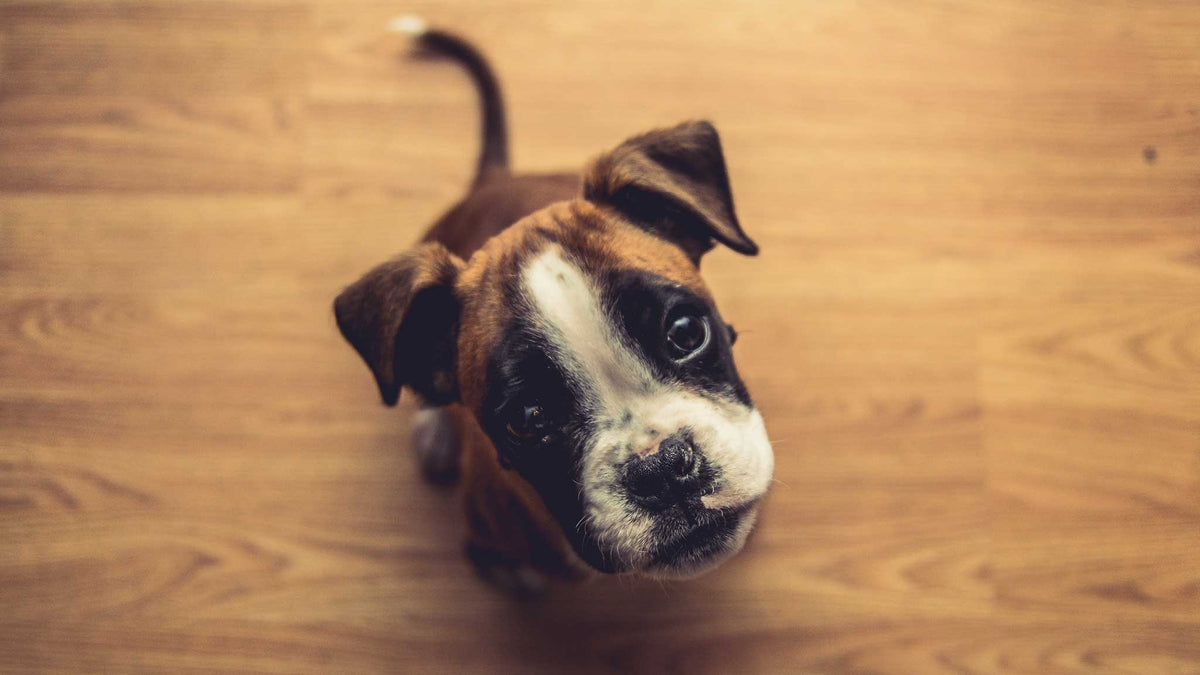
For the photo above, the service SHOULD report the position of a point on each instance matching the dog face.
(593, 356)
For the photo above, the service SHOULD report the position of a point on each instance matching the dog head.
(593, 356)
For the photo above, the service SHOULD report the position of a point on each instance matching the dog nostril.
(645, 481)
(678, 456)
(685, 461)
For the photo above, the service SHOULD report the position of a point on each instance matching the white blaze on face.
(581, 332)
(631, 409)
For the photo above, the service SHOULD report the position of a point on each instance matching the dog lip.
(704, 538)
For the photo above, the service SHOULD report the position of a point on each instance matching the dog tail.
(493, 157)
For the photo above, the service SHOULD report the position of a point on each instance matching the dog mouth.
(684, 543)
(702, 540)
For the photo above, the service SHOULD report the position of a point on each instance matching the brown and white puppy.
(572, 362)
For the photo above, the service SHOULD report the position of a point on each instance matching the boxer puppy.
(574, 369)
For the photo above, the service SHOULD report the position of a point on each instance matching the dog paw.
(514, 578)
(436, 442)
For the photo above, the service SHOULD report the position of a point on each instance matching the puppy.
(575, 371)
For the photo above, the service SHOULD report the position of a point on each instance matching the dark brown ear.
(402, 318)
(673, 183)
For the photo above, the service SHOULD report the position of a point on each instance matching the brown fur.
(497, 203)
(506, 517)
(673, 181)
(371, 313)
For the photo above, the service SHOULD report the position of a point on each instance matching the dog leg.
(514, 578)
(437, 444)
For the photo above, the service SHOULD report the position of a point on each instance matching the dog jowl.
(576, 374)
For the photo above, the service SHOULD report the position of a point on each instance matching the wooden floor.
(974, 332)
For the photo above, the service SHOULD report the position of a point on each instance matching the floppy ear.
(673, 183)
(402, 318)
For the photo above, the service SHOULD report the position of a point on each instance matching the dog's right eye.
(527, 423)
(686, 335)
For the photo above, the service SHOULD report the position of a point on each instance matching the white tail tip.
(409, 24)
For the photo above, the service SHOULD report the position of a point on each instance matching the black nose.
(668, 477)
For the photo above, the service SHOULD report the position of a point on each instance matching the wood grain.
(974, 331)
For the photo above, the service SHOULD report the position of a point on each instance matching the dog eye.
(528, 422)
(686, 335)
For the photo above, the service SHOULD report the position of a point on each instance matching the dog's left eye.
(528, 422)
(686, 335)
